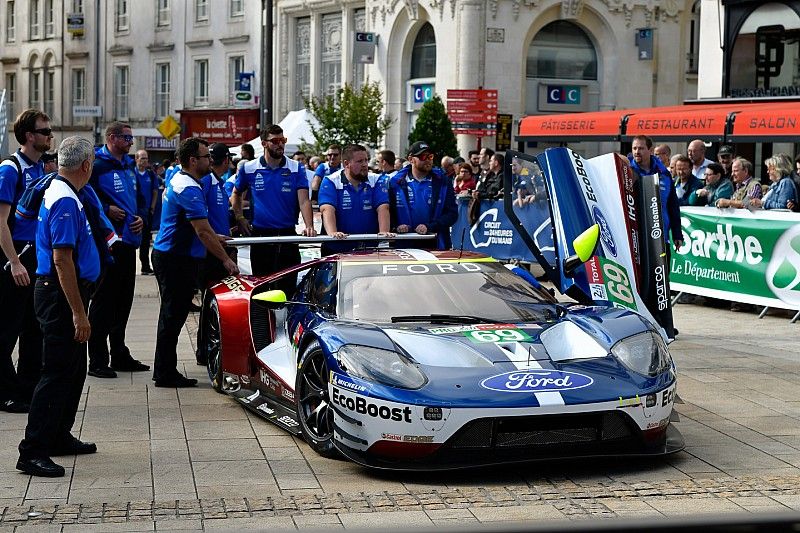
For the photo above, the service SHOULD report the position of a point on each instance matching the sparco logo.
(581, 171)
(360, 405)
(783, 270)
(661, 288)
(536, 381)
(655, 233)
(605, 231)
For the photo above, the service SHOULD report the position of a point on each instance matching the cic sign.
(563, 98)
(418, 92)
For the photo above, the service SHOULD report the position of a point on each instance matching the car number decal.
(609, 281)
(479, 327)
(497, 335)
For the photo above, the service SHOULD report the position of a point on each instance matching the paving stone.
(278, 522)
(386, 520)
(517, 513)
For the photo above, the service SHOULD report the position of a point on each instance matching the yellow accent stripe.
(422, 261)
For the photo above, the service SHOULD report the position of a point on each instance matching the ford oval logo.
(605, 231)
(536, 381)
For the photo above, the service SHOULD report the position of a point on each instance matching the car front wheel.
(313, 404)
(211, 338)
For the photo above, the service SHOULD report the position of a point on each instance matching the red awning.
(767, 123)
(575, 127)
(680, 123)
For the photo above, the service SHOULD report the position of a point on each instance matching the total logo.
(605, 231)
(360, 405)
(783, 270)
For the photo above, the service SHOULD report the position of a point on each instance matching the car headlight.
(644, 353)
(383, 366)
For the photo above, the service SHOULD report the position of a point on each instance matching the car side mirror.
(275, 298)
(584, 245)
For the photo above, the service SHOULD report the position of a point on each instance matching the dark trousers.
(144, 248)
(268, 258)
(111, 307)
(177, 279)
(58, 393)
(18, 321)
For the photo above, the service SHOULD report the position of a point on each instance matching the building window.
(162, 89)
(49, 19)
(11, 93)
(302, 47)
(162, 13)
(235, 66)
(34, 20)
(49, 87)
(78, 91)
(201, 10)
(562, 50)
(331, 65)
(77, 6)
(121, 92)
(201, 82)
(359, 69)
(34, 96)
(423, 55)
(237, 8)
(121, 15)
(11, 28)
(694, 40)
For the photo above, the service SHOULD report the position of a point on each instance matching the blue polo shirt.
(419, 199)
(325, 169)
(217, 202)
(12, 185)
(183, 203)
(63, 224)
(146, 181)
(115, 183)
(356, 208)
(273, 195)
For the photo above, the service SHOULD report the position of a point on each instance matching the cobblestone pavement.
(194, 460)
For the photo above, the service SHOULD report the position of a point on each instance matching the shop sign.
(229, 126)
(160, 143)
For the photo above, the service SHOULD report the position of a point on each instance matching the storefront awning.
(717, 122)
(778, 122)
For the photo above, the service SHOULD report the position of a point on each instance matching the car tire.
(311, 400)
(212, 343)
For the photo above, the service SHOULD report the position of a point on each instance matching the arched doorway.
(561, 70)
(421, 81)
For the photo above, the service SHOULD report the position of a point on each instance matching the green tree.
(351, 116)
(434, 127)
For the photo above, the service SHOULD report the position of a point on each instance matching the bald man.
(697, 154)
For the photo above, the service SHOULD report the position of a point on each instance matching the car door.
(628, 267)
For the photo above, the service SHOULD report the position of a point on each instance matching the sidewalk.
(192, 459)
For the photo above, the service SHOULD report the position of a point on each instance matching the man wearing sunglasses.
(114, 180)
(421, 198)
(333, 164)
(17, 241)
(278, 191)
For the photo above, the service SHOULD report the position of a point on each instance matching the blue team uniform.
(146, 182)
(115, 183)
(184, 201)
(217, 202)
(325, 169)
(12, 185)
(356, 208)
(273, 194)
(62, 223)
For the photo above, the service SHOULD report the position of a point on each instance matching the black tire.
(311, 398)
(212, 343)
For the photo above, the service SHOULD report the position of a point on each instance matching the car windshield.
(377, 292)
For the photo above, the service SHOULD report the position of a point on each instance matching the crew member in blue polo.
(17, 271)
(147, 189)
(350, 202)
(278, 192)
(114, 181)
(421, 198)
(333, 164)
(180, 248)
(68, 265)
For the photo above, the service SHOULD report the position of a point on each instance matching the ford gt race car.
(410, 359)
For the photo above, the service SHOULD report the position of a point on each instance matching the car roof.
(408, 254)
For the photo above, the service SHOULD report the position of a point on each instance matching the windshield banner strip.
(423, 261)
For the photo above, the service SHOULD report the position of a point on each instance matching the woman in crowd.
(782, 194)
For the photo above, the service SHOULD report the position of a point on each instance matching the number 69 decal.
(497, 335)
(618, 283)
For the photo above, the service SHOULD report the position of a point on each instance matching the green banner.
(750, 257)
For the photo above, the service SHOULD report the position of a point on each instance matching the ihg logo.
(783, 271)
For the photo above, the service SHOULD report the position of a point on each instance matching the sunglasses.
(424, 157)
(126, 138)
(47, 132)
(277, 140)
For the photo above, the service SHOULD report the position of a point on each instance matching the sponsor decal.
(288, 421)
(360, 405)
(419, 439)
(286, 393)
(667, 396)
(609, 281)
(432, 268)
(479, 327)
(432, 413)
(497, 335)
(244, 379)
(488, 231)
(659, 424)
(580, 170)
(346, 383)
(251, 398)
(391, 436)
(233, 283)
(536, 381)
(662, 298)
(655, 214)
(783, 270)
(264, 408)
(605, 231)
(297, 334)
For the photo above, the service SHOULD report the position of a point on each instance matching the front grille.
(542, 431)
